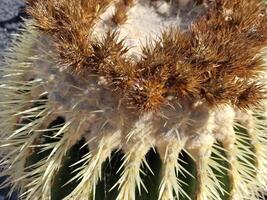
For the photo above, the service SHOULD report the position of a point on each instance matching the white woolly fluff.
(146, 22)
(224, 123)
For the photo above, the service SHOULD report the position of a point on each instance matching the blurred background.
(11, 12)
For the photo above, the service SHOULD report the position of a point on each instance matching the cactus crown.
(156, 96)
(179, 64)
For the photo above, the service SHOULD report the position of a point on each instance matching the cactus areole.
(136, 100)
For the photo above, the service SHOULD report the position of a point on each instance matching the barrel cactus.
(136, 99)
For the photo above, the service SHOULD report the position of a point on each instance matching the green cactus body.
(105, 105)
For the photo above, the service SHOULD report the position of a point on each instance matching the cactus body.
(99, 101)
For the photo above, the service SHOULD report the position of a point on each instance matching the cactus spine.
(132, 99)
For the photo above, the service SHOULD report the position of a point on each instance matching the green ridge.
(59, 189)
(222, 174)
(151, 181)
(110, 176)
(190, 182)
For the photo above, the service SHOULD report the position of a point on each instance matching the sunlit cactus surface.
(136, 100)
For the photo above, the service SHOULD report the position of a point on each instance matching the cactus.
(136, 100)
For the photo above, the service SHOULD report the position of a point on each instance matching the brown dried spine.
(216, 61)
(121, 8)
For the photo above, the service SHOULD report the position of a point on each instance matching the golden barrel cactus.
(136, 100)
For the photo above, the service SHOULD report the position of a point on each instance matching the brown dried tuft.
(251, 96)
(121, 8)
(217, 60)
(70, 24)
